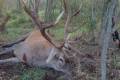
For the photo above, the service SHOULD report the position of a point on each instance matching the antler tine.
(59, 17)
(46, 26)
(65, 6)
(41, 25)
(37, 21)
(33, 15)
(68, 20)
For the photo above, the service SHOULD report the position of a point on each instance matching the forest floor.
(23, 72)
(16, 71)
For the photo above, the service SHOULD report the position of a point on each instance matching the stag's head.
(57, 60)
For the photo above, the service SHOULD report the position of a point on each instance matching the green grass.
(32, 74)
(14, 33)
(59, 33)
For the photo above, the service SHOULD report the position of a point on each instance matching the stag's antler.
(67, 22)
(40, 24)
(69, 16)
(43, 26)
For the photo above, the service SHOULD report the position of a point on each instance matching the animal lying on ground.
(36, 50)
(39, 50)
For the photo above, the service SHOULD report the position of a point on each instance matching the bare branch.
(74, 49)
(65, 6)
(33, 15)
(78, 11)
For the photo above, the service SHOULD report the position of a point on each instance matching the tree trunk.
(18, 5)
(49, 11)
(36, 4)
(3, 23)
(93, 21)
(1, 6)
(106, 34)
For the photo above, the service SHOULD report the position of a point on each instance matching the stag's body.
(37, 51)
(34, 46)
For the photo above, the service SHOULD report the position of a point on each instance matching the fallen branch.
(16, 42)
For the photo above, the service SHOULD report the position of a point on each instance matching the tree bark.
(106, 34)
(3, 23)
(49, 11)
(1, 5)
(93, 21)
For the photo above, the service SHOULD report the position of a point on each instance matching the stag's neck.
(36, 37)
(48, 37)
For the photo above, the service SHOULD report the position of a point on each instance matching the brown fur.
(36, 50)
(36, 37)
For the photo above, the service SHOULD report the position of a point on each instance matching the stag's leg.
(6, 51)
(10, 60)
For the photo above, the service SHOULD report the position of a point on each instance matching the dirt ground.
(9, 71)
(13, 72)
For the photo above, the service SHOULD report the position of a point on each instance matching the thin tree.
(93, 20)
(1, 6)
(109, 9)
(3, 19)
(3, 23)
(18, 5)
(49, 10)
